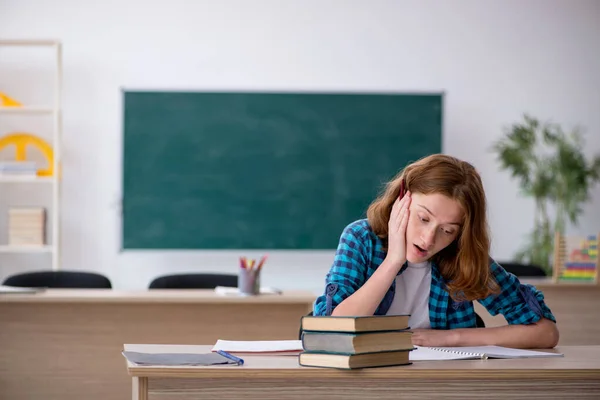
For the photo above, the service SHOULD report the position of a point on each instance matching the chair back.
(194, 281)
(59, 280)
(479, 321)
(523, 269)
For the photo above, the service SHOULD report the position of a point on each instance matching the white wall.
(494, 60)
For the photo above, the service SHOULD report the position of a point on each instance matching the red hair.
(464, 264)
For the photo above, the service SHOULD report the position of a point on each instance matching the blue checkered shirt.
(360, 252)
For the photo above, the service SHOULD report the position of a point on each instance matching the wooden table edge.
(229, 372)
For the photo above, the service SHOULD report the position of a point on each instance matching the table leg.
(139, 388)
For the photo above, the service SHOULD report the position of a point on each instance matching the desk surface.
(579, 362)
(162, 296)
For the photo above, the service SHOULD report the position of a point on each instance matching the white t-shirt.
(412, 294)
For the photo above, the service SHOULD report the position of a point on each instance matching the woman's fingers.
(396, 209)
(405, 215)
(397, 229)
(400, 204)
(399, 209)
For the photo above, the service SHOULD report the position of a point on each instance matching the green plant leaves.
(550, 167)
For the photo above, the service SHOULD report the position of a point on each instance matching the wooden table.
(576, 375)
(575, 306)
(66, 344)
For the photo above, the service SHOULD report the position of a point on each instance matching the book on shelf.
(354, 361)
(356, 343)
(372, 323)
(17, 167)
(27, 226)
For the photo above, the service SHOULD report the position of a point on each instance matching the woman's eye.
(447, 232)
(424, 219)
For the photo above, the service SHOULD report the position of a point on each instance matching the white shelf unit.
(26, 249)
(37, 179)
(55, 111)
(26, 110)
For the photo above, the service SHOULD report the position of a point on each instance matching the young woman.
(424, 250)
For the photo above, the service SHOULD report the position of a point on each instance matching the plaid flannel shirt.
(360, 252)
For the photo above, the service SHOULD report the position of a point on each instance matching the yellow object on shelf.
(6, 101)
(21, 141)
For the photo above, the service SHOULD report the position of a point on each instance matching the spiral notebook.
(474, 353)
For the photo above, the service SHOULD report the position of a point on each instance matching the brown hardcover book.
(356, 343)
(374, 323)
(353, 361)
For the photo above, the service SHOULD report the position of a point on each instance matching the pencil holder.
(249, 281)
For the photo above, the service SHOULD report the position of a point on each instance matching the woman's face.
(435, 221)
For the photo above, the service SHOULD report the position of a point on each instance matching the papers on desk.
(15, 290)
(233, 291)
(474, 353)
(260, 347)
(294, 347)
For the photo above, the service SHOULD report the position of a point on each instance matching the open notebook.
(260, 347)
(294, 347)
(473, 353)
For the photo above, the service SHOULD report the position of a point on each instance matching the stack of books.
(355, 342)
(27, 226)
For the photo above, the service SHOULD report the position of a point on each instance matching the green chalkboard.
(263, 170)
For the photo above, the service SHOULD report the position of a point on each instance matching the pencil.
(262, 261)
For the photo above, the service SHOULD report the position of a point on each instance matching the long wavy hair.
(464, 264)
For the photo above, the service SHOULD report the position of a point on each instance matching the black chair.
(194, 281)
(478, 323)
(59, 279)
(523, 269)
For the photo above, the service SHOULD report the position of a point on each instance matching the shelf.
(49, 110)
(26, 249)
(26, 110)
(20, 179)
(24, 42)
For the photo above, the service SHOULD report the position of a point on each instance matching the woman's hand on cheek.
(397, 230)
(434, 338)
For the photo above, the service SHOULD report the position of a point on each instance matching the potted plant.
(552, 169)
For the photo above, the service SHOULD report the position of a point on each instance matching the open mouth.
(422, 252)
